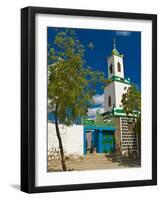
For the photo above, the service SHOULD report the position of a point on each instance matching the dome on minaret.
(115, 63)
(115, 51)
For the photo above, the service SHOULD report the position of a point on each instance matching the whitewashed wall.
(115, 90)
(120, 60)
(75, 140)
(114, 60)
(109, 91)
(120, 89)
(110, 61)
(72, 139)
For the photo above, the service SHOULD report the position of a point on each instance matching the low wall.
(72, 139)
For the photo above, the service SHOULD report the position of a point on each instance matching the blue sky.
(99, 44)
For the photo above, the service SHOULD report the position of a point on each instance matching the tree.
(71, 85)
(99, 119)
(131, 102)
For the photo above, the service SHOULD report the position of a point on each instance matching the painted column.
(84, 137)
(93, 138)
(100, 141)
(94, 141)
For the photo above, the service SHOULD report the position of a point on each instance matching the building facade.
(117, 84)
(79, 140)
(111, 131)
(125, 137)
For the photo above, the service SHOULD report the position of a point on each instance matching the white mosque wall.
(115, 89)
(72, 139)
(120, 89)
(114, 61)
(116, 72)
(109, 91)
(110, 61)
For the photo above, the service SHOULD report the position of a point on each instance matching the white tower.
(115, 63)
(117, 84)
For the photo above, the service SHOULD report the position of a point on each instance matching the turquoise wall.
(102, 139)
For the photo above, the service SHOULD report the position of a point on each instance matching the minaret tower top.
(115, 63)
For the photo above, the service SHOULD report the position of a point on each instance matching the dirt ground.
(93, 162)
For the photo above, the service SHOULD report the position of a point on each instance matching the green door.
(107, 142)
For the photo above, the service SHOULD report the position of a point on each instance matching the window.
(109, 101)
(110, 68)
(118, 67)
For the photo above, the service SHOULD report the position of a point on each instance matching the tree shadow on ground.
(123, 161)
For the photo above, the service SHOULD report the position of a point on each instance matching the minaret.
(115, 63)
(117, 84)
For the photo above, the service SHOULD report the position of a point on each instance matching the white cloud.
(92, 111)
(123, 33)
(98, 99)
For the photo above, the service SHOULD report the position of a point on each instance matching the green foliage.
(131, 101)
(99, 118)
(70, 84)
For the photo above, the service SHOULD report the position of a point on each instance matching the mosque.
(111, 131)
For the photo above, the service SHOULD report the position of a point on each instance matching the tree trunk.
(60, 143)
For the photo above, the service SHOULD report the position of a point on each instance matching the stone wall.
(125, 138)
(129, 144)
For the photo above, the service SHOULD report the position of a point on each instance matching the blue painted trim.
(93, 138)
(90, 130)
(97, 132)
(84, 140)
(101, 128)
(100, 142)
